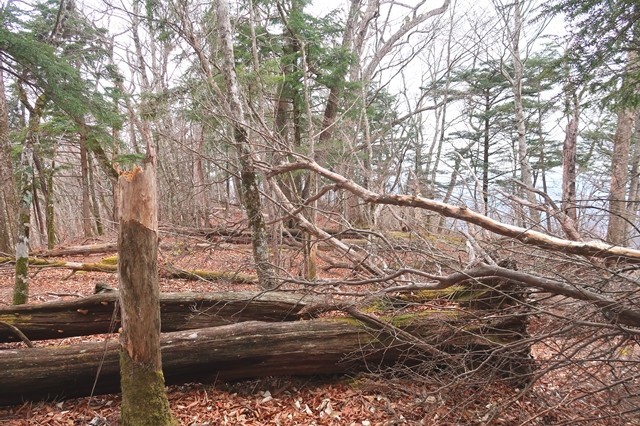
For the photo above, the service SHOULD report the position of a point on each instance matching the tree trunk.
(516, 85)
(634, 184)
(569, 156)
(144, 400)
(248, 175)
(21, 283)
(257, 349)
(8, 197)
(618, 213)
(486, 151)
(87, 227)
(95, 206)
(200, 185)
(46, 187)
(179, 311)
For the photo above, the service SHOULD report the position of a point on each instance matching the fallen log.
(255, 349)
(106, 266)
(78, 250)
(180, 311)
(99, 248)
(110, 265)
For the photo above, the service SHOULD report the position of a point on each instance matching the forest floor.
(366, 399)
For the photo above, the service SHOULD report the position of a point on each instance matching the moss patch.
(21, 284)
(144, 399)
(11, 318)
(110, 260)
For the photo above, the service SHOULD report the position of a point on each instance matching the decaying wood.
(108, 248)
(199, 274)
(622, 311)
(110, 264)
(73, 266)
(16, 331)
(179, 311)
(78, 250)
(255, 349)
(144, 397)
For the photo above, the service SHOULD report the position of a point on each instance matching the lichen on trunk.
(250, 190)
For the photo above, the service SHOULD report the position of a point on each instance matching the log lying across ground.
(254, 349)
(180, 311)
(110, 265)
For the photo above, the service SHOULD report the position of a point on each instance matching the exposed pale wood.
(527, 236)
(255, 349)
(179, 311)
(142, 382)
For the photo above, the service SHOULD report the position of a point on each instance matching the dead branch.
(527, 236)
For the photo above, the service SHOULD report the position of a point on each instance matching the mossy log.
(490, 293)
(483, 296)
(226, 231)
(98, 248)
(180, 311)
(110, 264)
(255, 349)
(74, 266)
(78, 250)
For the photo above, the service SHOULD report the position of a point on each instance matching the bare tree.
(514, 12)
(249, 177)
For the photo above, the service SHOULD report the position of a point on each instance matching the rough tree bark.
(87, 227)
(569, 156)
(21, 282)
(8, 197)
(257, 349)
(144, 399)
(248, 174)
(179, 311)
(618, 213)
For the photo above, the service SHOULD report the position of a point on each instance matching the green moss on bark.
(146, 403)
(21, 284)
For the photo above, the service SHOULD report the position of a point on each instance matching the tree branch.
(527, 236)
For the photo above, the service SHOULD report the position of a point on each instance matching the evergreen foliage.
(603, 32)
